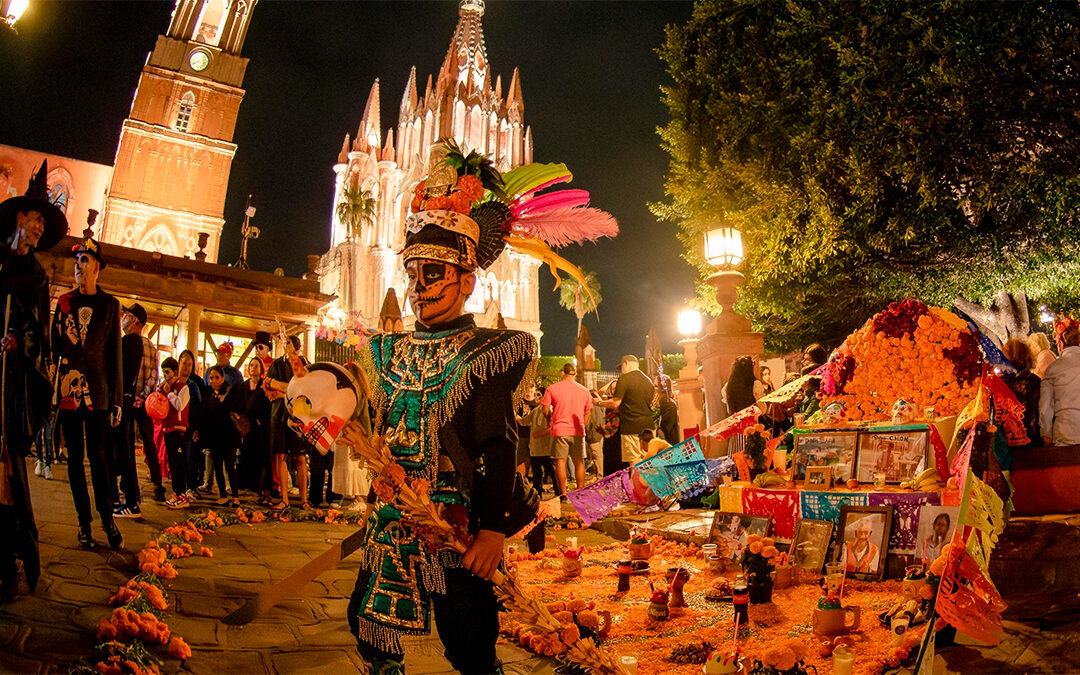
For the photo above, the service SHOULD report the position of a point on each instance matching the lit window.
(185, 112)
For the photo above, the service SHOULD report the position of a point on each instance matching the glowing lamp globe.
(723, 247)
(156, 406)
(689, 322)
(12, 10)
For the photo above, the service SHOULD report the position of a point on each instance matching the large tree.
(878, 149)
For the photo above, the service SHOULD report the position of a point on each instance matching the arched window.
(211, 20)
(185, 112)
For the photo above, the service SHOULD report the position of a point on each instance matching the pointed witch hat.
(35, 199)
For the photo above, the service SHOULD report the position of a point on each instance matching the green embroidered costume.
(454, 374)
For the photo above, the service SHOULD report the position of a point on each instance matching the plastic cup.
(843, 659)
(800, 419)
(629, 663)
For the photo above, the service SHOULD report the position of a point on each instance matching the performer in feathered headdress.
(444, 397)
(1059, 395)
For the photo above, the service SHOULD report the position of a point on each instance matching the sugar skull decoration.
(722, 663)
(833, 413)
(321, 399)
(903, 411)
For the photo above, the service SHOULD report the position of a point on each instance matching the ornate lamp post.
(691, 397)
(730, 335)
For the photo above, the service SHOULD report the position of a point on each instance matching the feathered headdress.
(1062, 324)
(465, 212)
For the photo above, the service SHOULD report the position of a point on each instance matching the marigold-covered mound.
(926, 355)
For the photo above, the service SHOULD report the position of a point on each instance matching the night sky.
(590, 80)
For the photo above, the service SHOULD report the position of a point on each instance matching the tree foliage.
(356, 209)
(876, 150)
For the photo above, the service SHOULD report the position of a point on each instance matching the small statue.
(722, 663)
(658, 608)
(833, 413)
(572, 562)
(903, 412)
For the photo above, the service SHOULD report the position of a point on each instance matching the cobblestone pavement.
(308, 634)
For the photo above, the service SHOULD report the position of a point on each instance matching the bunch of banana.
(769, 479)
(927, 481)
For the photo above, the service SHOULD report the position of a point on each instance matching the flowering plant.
(759, 558)
(786, 658)
(756, 439)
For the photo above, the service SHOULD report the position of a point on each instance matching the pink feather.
(552, 200)
(563, 226)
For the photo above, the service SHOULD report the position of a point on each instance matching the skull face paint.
(437, 290)
(320, 403)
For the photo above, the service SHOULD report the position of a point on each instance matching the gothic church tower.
(461, 103)
(176, 150)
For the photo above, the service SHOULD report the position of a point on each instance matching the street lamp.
(12, 10)
(723, 247)
(691, 397)
(729, 336)
(724, 250)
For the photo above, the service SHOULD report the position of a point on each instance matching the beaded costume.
(419, 384)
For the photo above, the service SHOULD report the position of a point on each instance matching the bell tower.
(175, 152)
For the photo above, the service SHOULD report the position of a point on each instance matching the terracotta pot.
(605, 624)
(677, 578)
(834, 621)
(658, 611)
(571, 567)
(641, 551)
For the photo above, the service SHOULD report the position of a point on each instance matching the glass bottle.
(740, 598)
(624, 575)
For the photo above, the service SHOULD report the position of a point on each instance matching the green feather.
(525, 178)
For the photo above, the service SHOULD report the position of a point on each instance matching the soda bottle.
(740, 598)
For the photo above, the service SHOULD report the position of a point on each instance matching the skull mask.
(437, 290)
(903, 411)
(320, 403)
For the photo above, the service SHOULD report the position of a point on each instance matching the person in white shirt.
(1059, 395)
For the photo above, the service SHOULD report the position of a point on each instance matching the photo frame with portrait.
(729, 531)
(833, 449)
(863, 534)
(899, 455)
(818, 478)
(936, 527)
(810, 544)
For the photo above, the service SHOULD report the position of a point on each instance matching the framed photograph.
(833, 449)
(864, 539)
(818, 478)
(936, 527)
(729, 532)
(899, 455)
(810, 544)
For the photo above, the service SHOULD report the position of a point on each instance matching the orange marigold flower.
(755, 548)
(383, 490)
(395, 474)
(926, 592)
(751, 538)
(471, 187)
(438, 203)
(460, 203)
(206, 552)
(769, 551)
(589, 619)
(570, 634)
(178, 649)
(421, 487)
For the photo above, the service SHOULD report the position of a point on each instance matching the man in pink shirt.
(569, 404)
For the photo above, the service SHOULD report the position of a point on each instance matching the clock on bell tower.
(176, 150)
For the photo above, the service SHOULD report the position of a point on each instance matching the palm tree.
(356, 209)
(572, 296)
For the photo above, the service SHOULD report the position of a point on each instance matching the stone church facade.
(460, 103)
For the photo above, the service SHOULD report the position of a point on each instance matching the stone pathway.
(1035, 566)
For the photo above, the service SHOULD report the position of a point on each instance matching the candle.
(629, 664)
(571, 542)
(843, 659)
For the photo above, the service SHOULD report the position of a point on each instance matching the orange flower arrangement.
(919, 364)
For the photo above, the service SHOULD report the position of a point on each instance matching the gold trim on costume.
(443, 253)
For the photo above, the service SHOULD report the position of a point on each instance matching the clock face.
(199, 60)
